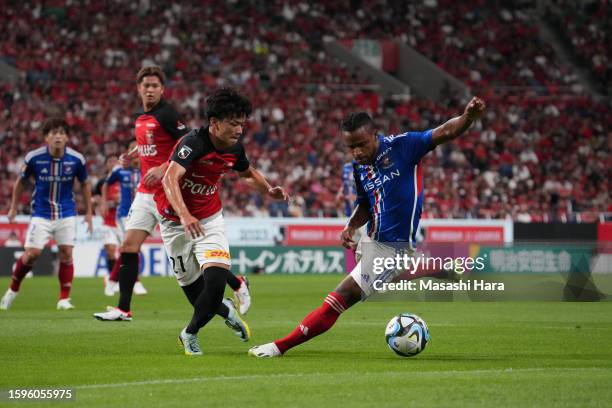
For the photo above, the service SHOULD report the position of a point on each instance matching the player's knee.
(65, 254)
(215, 278)
(130, 246)
(31, 255)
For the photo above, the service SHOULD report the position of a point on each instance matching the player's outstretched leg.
(21, 269)
(317, 322)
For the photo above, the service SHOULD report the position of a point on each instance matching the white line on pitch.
(301, 375)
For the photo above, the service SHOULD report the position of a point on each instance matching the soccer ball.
(407, 334)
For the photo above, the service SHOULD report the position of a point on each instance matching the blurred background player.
(157, 129)
(346, 197)
(125, 179)
(54, 168)
(193, 229)
(390, 196)
(109, 222)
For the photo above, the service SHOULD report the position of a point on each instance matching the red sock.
(66, 273)
(114, 275)
(20, 271)
(318, 321)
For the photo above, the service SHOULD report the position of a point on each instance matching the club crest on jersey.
(184, 152)
(386, 162)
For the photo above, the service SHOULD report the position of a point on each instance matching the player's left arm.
(86, 187)
(257, 181)
(456, 126)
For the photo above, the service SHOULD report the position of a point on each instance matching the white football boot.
(64, 304)
(7, 299)
(139, 289)
(114, 314)
(265, 350)
(190, 343)
(243, 295)
(110, 286)
(235, 322)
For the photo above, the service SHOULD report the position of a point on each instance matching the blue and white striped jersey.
(392, 187)
(53, 196)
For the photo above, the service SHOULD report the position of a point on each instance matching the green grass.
(481, 354)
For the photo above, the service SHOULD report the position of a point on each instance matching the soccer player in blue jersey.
(53, 168)
(389, 198)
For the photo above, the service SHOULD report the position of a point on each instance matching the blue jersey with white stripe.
(128, 181)
(348, 188)
(392, 187)
(53, 196)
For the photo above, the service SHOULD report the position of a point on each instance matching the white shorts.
(41, 230)
(367, 250)
(143, 214)
(188, 256)
(114, 235)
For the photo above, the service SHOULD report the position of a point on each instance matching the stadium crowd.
(540, 152)
(587, 27)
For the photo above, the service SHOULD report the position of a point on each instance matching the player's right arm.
(17, 191)
(170, 182)
(359, 217)
(26, 171)
(187, 150)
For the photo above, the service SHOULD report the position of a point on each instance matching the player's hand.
(154, 176)
(192, 226)
(125, 160)
(89, 221)
(347, 237)
(474, 108)
(278, 193)
(11, 215)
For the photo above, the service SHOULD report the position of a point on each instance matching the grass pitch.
(481, 354)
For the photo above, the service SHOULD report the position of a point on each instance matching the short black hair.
(356, 120)
(54, 123)
(227, 103)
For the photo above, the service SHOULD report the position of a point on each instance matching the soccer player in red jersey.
(107, 207)
(390, 194)
(193, 229)
(157, 130)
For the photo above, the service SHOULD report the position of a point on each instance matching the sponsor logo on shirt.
(217, 253)
(369, 185)
(198, 188)
(147, 150)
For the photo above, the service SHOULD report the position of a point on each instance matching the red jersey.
(112, 195)
(156, 134)
(205, 165)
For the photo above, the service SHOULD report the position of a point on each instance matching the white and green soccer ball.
(407, 334)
